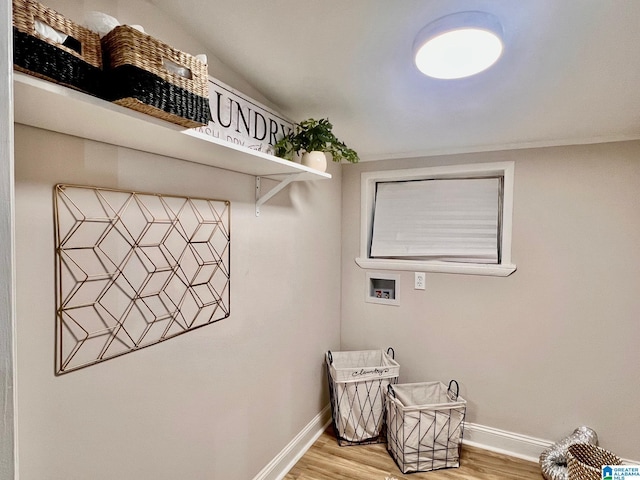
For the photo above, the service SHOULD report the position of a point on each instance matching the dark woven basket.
(136, 77)
(76, 63)
(585, 461)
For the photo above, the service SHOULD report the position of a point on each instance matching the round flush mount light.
(458, 45)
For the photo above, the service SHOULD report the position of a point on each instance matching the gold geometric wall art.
(135, 269)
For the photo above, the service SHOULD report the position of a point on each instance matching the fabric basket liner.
(428, 395)
(357, 366)
(425, 424)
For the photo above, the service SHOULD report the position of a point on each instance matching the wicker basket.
(137, 77)
(76, 63)
(585, 461)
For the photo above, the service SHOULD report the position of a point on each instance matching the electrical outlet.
(419, 281)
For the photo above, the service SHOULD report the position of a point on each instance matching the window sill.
(437, 267)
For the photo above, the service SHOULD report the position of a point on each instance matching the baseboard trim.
(502, 441)
(296, 448)
(480, 436)
(509, 443)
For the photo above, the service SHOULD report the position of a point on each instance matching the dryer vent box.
(382, 288)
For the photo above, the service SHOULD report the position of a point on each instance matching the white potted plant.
(314, 139)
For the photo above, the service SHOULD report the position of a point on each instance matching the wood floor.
(325, 460)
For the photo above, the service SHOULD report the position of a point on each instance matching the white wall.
(551, 347)
(219, 402)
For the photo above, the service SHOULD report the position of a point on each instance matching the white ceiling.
(570, 72)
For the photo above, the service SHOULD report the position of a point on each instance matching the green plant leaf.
(310, 135)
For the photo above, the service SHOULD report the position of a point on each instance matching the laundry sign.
(241, 120)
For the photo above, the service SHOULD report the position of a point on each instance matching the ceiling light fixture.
(458, 45)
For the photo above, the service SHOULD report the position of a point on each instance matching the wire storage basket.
(49, 46)
(585, 461)
(357, 384)
(425, 423)
(147, 75)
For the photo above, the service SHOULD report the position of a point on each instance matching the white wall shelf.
(50, 106)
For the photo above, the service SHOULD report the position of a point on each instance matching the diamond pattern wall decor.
(135, 269)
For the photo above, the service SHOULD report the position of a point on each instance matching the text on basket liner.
(375, 371)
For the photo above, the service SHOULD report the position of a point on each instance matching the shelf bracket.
(262, 199)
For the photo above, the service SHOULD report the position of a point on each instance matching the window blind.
(438, 219)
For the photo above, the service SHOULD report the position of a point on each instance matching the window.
(454, 219)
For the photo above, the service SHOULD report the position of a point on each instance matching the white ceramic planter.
(316, 160)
